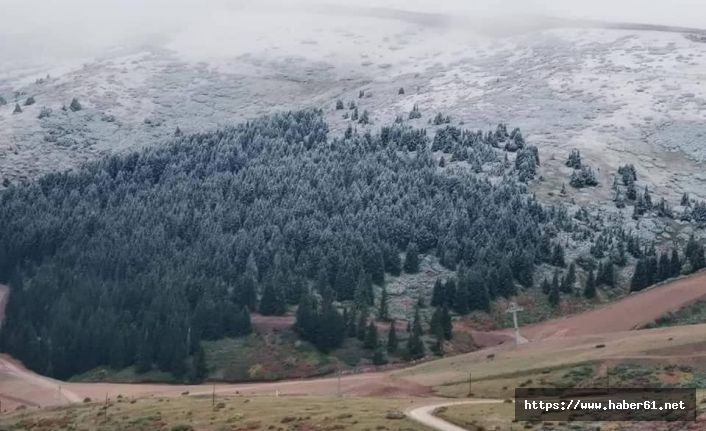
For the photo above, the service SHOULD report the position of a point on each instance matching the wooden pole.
(470, 388)
(213, 396)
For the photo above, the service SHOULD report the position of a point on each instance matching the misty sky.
(38, 29)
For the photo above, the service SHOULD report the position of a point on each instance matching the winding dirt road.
(425, 414)
(21, 386)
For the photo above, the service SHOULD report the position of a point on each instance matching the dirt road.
(425, 414)
(21, 386)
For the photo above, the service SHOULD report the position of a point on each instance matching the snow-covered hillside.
(617, 95)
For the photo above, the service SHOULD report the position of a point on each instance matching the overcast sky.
(34, 29)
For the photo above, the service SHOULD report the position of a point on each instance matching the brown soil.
(633, 312)
(20, 386)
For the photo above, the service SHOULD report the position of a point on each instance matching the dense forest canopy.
(135, 259)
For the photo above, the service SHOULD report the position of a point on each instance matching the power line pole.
(514, 309)
(470, 388)
(213, 396)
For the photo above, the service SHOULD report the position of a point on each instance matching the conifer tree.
(371, 336)
(411, 259)
(438, 294)
(567, 284)
(272, 302)
(331, 328)
(546, 287)
(415, 344)
(379, 357)
(449, 292)
(640, 278)
(675, 264)
(446, 323)
(392, 341)
(306, 322)
(393, 263)
(589, 290)
(558, 256)
(438, 347)
(362, 324)
(383, 312)
(199, 370)
(553, 297)
(460, 302)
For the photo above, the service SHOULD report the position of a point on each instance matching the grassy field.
(484, 417)
(226, 414)
(691, 315)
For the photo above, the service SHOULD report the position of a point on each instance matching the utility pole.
(608, 377)
(514, 309)
(470, 389)
(213, 396)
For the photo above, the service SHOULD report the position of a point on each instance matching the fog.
(38, 32)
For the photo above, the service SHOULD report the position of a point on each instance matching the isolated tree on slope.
(589, 290)
(371, 336)
(392, 341)
(411, 259)
(383, 312)
(415, 345)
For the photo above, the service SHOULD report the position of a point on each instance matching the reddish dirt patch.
(262, 323)
(633, 312)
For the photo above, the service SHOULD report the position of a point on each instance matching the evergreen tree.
(589, 290)
(400, 91)
(383, 312)
(362, 324)
(664, 270)
(567, 284)
(558, 256)
(272, 302)
(18, 109)
(379, 357)
(438, 294)
(339, 104)
(574, 160)
(477, 292)
(446, 323)
(415, 344)
(392, 342)
(75, 105)
(411, 259)
(460, 302)
(332, 328)
(393, 263)
(371, 337)
(438, 347)
(306, 322)
(199, 371)
(364, 118)
(449, 292)
(640, 278)
(554, 293)
(364, 291)
(675, 264)
(546, 287)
